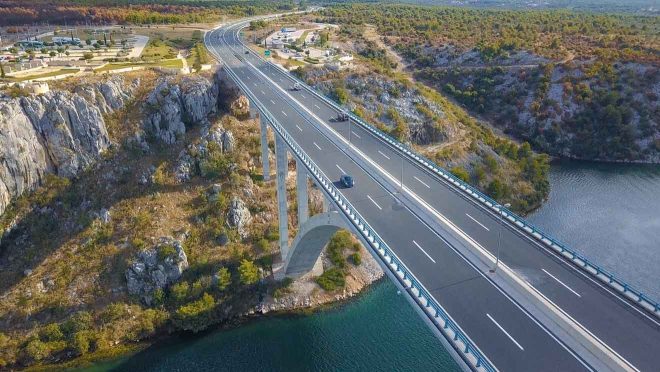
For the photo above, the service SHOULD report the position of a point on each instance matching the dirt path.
(371, 34)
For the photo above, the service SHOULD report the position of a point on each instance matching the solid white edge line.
(478, 223)
(424, 183)
(562, 283)
(505, 332)
(373, 201)
(386, 157)
(423, 251)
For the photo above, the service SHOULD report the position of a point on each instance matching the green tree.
(496, 189)
(224, 278)
(196, 315)
(51, 332)
(81, 342)
(461, 173)
(36, 350)
(249, 274)
(179, 292)
(341, 94)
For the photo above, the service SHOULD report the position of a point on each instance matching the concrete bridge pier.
(314, 233)
(282, 169)
(301, 192)
(264, 148)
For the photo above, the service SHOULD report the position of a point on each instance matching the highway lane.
(605, 314)
(504, 332)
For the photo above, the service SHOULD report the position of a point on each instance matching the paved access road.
(510, 336)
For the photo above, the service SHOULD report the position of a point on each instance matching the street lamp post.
(499, 236)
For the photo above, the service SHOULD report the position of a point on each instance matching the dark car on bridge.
(347, 181)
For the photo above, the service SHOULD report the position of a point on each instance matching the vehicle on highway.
(296, 87)
(341, 116)
(347, 181)
(247, 52)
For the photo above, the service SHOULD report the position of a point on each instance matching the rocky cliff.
(64, 132)
(59, 132)
(173, 104)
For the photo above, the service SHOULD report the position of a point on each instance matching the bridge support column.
(282, 168)
(301, 191)
(264, 149)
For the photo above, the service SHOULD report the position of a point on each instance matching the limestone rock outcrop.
(240, 107)
(156, 268)
(238, 216)
(58, 132)
(174, 104)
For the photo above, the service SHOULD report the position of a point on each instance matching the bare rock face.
(58, 132)
(165, 117)
(109, 95)
(156, 268)
(239, 216)
(74, 132)
(172, 106)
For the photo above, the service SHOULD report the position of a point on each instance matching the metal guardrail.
(438, 315)
(535, 232)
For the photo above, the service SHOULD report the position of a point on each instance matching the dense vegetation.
(581, 85)
(17, 12)
(548, 33)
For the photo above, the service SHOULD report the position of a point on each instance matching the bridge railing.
(538, 234)
(440, 318)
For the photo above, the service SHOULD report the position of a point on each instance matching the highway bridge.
(543, 308)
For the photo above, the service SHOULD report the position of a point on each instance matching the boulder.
(240, 108)
(238, 216)
(214, 192)
(156, 268)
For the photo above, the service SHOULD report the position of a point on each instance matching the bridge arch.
(312, 236)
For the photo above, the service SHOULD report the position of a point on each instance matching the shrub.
(224, 278)
(216, 164)
(496, 189)
(159, 297)
(332, 279)
(51, 332)
(248, 272)
(179, 292)
(165, 251)
(36, 350)
(461, 173)
(196, 315)
(113, 312)
(356, 259)
(81, 342)
(80, 321)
